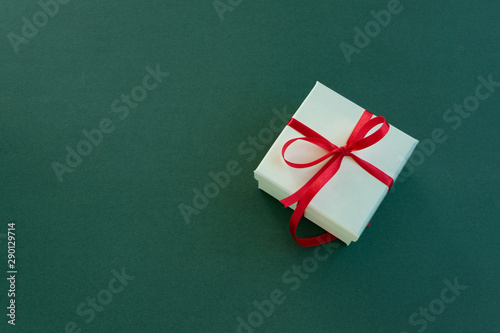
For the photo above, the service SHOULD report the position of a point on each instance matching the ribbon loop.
(358, 140)
(320, 142)
(361, 141)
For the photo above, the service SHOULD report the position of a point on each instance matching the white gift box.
(345, 205)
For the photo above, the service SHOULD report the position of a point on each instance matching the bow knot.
(344, 151)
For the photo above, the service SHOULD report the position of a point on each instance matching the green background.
(120, 207)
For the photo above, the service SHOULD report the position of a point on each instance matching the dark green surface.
(119, 208)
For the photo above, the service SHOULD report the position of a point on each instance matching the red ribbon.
(357, 141)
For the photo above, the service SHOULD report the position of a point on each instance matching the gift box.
(335, 161)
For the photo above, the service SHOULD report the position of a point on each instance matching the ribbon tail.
(302, 204)
(295, 197)
(307, 242)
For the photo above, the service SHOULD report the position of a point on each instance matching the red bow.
(357, 141)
